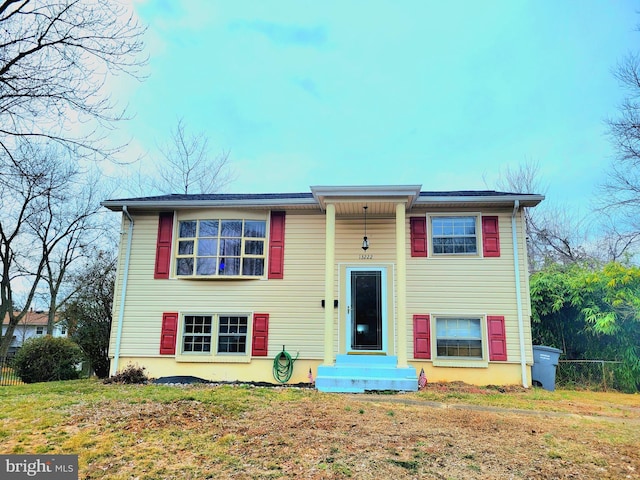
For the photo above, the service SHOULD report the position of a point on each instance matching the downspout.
(516, 268)
(116, 355)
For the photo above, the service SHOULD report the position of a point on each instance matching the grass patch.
(230, 431)
(515, 397)
(410, 465)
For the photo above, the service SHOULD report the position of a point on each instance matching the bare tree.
(523, 179)
(616, 242)
(38, 222)
(558, 235)
(88, 313)
(69, 213)
(55, 56)
(23, 181)
(621, 186)
(619, 192)
(554, 233)
(188, 165)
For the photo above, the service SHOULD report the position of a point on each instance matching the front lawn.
(445, 432)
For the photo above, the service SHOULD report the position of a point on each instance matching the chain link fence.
(599, 375)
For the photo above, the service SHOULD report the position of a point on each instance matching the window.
(228, 332)
(39, 330)
(458, 337)
(197, 333)
(454, 235)
(209, 248)
(232, 334)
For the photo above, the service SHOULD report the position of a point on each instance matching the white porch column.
(401, 286)
(329, 280)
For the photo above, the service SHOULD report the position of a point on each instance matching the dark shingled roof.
(215, 196)
(283, 196)
(467, 193)
(316, 198)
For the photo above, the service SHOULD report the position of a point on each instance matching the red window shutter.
(169, 333)
(163, 247)
(276, 245)
(259, 343)
(421, 336)
(418, 226)
(497, 338)
(490, 237)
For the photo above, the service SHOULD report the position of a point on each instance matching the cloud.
(286, 34)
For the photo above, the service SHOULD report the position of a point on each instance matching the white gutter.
(115, 205)
(319, 194)
(516, 268)
(116, 355)
(526, 200)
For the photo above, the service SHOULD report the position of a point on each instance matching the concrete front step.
(362, 385)
(360, 373)
(364, 360)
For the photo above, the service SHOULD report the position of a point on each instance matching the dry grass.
(444, 432)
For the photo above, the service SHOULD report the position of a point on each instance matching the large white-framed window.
(209, 248)
(454, 234)
(215, 334)
(459, 337)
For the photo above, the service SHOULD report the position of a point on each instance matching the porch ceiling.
(380, 200)
(355, 208)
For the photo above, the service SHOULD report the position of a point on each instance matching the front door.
(366, 309)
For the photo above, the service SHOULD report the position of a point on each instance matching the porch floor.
(361, 373)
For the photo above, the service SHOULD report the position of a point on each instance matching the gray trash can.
(543, 371)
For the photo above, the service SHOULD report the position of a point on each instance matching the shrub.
(47, 359)
(132, 374)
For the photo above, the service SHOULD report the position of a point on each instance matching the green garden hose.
(283, 366)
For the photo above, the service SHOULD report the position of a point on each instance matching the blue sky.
(443, 94)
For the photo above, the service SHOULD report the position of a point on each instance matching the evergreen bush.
(48, 359)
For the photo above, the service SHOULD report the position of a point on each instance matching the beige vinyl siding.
(294, 303)
(382, 240)
(435, 285)
(381, 253)
(472, 285)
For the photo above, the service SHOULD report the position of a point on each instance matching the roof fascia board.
(526, 200)
(191, 204)
(321, 194)
(381, 192)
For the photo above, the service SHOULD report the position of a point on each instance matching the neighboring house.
(217, 285)
(32, 325)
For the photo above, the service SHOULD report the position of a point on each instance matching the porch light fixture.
(365, 242)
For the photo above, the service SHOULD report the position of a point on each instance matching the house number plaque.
(366, 256)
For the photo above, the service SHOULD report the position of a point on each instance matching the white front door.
(366, 309)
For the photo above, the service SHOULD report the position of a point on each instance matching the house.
(32, 325)
(363, 286)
